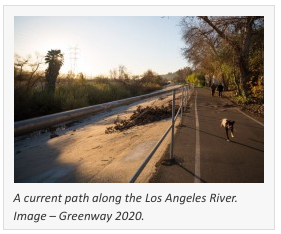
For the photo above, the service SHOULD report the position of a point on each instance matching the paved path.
(201, 151)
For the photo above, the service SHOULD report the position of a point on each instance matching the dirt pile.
(141, 116)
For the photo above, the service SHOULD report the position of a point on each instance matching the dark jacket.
(220, 87)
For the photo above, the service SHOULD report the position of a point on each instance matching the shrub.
(75, 93)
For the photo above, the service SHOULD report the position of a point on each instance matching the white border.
(255, 189)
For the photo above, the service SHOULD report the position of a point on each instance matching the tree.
(181, 74)
(234, 33)
(123, 75)
(54, 59)
(197, 79)
(27, 70)
(19, 63)
(150, 77)
(113, 74)
(34, 66)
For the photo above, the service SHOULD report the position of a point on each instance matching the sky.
(103, 43)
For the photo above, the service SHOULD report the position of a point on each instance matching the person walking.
(220, 89)
(213, 89)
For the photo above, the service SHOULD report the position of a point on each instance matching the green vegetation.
(198, 79)
(222, 49)
(37, 94)
(227, 49)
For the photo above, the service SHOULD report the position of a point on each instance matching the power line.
(73, 55)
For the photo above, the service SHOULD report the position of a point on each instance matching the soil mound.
(141, 116)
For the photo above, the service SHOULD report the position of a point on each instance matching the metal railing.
(35, 124)
(31, 125)
(185, 91)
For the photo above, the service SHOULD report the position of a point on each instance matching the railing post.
(173, 126)
(171, 160)
(182, 98)
(186, 93)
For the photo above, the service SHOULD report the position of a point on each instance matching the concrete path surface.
(83, 153)
(202, 153)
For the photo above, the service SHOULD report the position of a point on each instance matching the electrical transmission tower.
(73, 53)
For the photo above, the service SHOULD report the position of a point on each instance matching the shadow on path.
(190, 172)
(238, 143)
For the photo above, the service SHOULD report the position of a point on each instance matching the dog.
(228, 124)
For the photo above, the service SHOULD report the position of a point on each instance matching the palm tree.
(54, 59)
